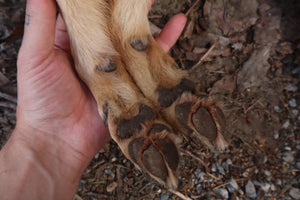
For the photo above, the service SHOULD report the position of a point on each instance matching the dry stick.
(288, 186)
(206, 54)
(8, 97)
(196, 158)
(8, 105)
(224, 184)
(192, 8)
(180, 195)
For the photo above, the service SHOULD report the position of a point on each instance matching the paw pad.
(140, 44)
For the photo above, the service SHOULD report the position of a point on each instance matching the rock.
(278, 109)
(220, 169)
(229, 161)
(279, 182)
(296, 71)
(164, 196)
(286, 124)
(288, 156)
(265, 187)
(198, 189)
(222, 192)
(199, 175)
(291, 88)
(213, 168)
(273, 187)
(298, 165)
(233, 186)
(295, 112)
(292, 103)
(267, 173)
(250, 190)
(287, 148)
(109, 172)
(294, 193)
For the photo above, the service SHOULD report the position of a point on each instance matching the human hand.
(52, 101)
(57, 117)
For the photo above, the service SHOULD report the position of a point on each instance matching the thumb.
(39, 29)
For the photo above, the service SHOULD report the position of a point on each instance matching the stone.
(294, 193)
(250, 190)
(286, 124)
(232, 186)
(164, 196)
(222, 192)
(292, 103)
(288, 156)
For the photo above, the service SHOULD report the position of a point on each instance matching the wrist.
(40, 161)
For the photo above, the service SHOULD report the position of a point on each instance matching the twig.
(180, 195)
(192, 8)
(287, 187)
(196, 158)
(8, 97)
(224, 184)
(206, 54)
(8, 105)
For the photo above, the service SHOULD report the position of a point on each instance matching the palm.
(55, 101)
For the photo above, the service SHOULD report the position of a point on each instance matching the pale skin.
(58, 128)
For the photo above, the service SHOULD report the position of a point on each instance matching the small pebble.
(273, 187)
(97, 156)
(114, 159)
(81, 184)
(296, 71)
(245, 174)
(293, 103)
(288, 156)
(213, 167)
(278, 182)
(199, 189)
(298, 165)
(267, 173)
(265, 187)
(108, 171)
(291, 88)
(220, 169)
(250, 190)
(233, 186)
(278, 109)
(199, 175)
(295, 112)
(287, 148)
(222, 192)
(229, 161)
(164, 196)
(295, 193)
(286, 124)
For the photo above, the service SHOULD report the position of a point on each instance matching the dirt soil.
(244, 54)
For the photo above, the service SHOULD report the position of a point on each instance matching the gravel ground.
(252, 71)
